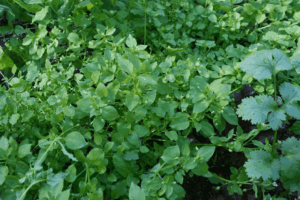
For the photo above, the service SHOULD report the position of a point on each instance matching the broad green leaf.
(125, 64)
(219, 122)
(200, 169)
(73, 37)
(86, 104)
(180, 122)
(75, 140)
(69, 111)
(206, 128)
(108, 146)
(172, 135)
(132, 101)
(261, 64)
(149, 97)
(95, 156)
(71, 171)
(121, 166)
(171, 154)
(131, 42)
(4, 143)
(136, 193)
(14, 118)
(212, 18)
(64, 195)
(109, 113)
(144, 149)
(5, 61)
(230, 116)
(201, 106)
(54, 179)
(98, 123)
(206, 152)
(295, 128)
(3, 173)
(39, 16)
(24, 150)
(147, 79)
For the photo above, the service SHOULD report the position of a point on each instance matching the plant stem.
(275, 135)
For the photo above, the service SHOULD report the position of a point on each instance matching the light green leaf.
(206, 152)
(86, 104)
(147, 79)
(39, 16)
(14, 118)
(71, 156)
(71, 171)
(108, 146)
(180, 122)
(24, 150)
(109, 113)
(125, 64)
(64, 195)
(3, 173)
(212, 18)
(172, 135)
(201, 106)
(170, 154)
(75, 140)
(230, 116)
(4, 143)
(98, 123)
(69, 111)
(131, 42)
(73, 37)
(136, 193)
(132, 101)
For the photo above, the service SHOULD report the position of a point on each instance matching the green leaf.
(74, 37)
(39, 16)
(125, 64)
(206, 152)
(219, 123)
(5, 61)
(109, 113)
(131, 42)
(4, 143)
(212, 18)
(132, 101)
(75, 140)
(95, 156)
(180, 122)
(64, 195)
(136, 193)
(3, 173)
(230, 116)
(71, 171)
(171, 154)
(24, 150)
(121, 166)
(147, 79)
(205, 127)
(262, 165)
(200, 169)
(71, 156)
(86, 104)
(295, 128)
(98, 123)
(14, 118)
(172, 135)
(262, 66)
(201, 106)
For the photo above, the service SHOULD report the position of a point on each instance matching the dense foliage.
(100, 97)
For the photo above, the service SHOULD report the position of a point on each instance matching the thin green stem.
(28, 188)
(275, 135)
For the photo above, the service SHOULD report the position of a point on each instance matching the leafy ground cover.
(149, 99)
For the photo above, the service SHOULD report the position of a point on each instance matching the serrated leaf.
(75, 140)
(262, 165)
(262, 66)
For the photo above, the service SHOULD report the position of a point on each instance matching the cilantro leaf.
(262, 65)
